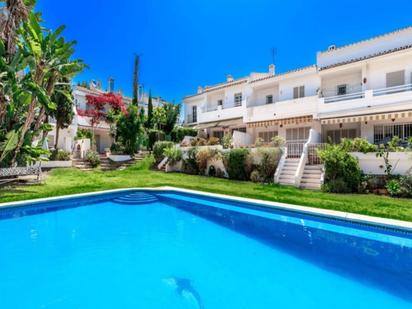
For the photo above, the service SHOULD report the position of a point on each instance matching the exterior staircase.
(287, 174)
(312, 177)
(107, 165)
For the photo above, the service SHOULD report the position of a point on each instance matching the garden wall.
(372, 165)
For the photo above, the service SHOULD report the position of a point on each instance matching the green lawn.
(69, 181)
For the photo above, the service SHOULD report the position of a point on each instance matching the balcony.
(369, 101)
(221, 112)
(283, 109)
(190, 118)
(392, 90)
(349, 92)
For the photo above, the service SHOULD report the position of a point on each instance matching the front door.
(97, 138)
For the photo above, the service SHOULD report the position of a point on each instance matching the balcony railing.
(190, 118)
(210, 109)
(391, 90)
(344, 97)
(294, 150)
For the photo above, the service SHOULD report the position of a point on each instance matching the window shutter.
(302, 91)
(296, 92)
(395, 78)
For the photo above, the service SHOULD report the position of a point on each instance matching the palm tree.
(17, 12)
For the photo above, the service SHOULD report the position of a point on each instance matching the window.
(219, 102)
(218, 134)
(269, 99)
(384, 133)
(335, 136)
(239, 129)
(238, 99)
(267, 136)
(342, 89)
(194, 113)
(394, 79)
(297, 134)
(299, 92)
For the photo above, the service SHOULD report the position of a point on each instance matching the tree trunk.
(57, 136)
(29, 119)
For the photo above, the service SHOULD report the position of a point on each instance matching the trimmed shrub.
(174, 154)
(342, 171)
(60, 155)
(159, 148)
(178, 134)
(237, 164)
(93, 158)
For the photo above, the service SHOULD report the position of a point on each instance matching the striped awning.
(284, 121)
(368, 117)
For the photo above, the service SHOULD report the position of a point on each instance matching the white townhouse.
(362, 89)
(67, 140)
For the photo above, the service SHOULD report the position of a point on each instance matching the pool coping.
(346, 216)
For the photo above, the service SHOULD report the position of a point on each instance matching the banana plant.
(49, 60)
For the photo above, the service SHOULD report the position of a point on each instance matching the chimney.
(199, 89)
(111, 84)
(229, 78)
(272, 68)
(99, 84)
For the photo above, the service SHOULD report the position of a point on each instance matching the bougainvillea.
(97, 111)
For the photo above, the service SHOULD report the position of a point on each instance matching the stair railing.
(304, 157)
(281, 164)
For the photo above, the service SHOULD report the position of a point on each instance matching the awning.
(206, 125)
(368, 117)
(284, 121)
(221, 124)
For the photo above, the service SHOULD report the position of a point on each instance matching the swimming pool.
(169, 249)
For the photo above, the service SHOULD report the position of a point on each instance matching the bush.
(213, 141)
(277, 141)
(358, 145)
(174, 154)
(394, 188)
(178, 134)
(237, 164)
(201, 159)
(255, 176)
(60, 155)
(227, 141)
(189, 164)
(198, 141)
(269, 159)
(405, 183)
(159, 148)
(342, 171)
(153, 137)
(93, 158)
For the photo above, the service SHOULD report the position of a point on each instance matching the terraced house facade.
(359, 90)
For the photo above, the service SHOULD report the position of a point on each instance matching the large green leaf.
(12, 139)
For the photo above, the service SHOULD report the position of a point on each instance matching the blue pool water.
(173, 250)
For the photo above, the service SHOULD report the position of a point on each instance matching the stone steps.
(311, 178)
(287, 175)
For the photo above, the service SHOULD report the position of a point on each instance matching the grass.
(70, 181)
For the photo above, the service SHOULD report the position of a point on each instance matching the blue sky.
(184, 44)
